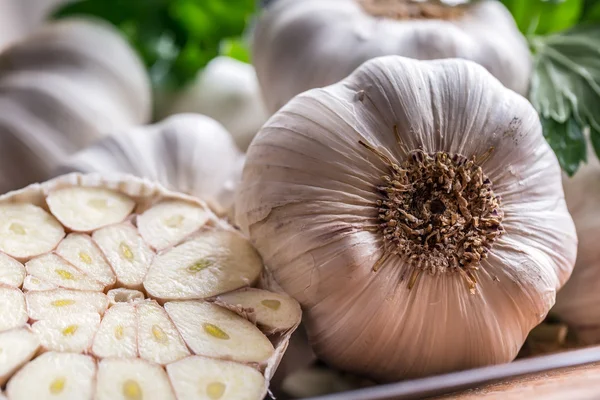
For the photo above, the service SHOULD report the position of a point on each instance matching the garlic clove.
(126, 252)
(12, 272)
(54, 376)
(169, 222)
(272, 312)
(27, 231)
(13, 313)
(56, 271)
(17, 346)
(205, 378)
(117, 334)
(121, 295)
(85, 209)
(79, 250)
(58, 303)
(31, 283)
(69, 333)
(212, 331)
(211, 263)
(132, 379)
(158, 339)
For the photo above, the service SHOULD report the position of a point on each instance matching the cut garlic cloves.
(205, 378)
(211, 263)
(27, 231)
(75, 320)
(126, 251)
(54, 376)
(167, 223)
(31, 283)
(132, 379)
(17, 347)
(85, 209)
(273, 312)
(212, 331)
(80, 250)
(13, 313)
(158, 339)
(72, 333)
(47, 304)
(117, 335)
(12, 272)
(56, 271)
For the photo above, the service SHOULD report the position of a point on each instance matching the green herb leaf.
(175, 38)
(565, 89)
(544, 16)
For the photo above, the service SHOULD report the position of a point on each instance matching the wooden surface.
(575, 383)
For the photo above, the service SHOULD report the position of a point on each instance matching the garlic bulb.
(577, 303)
(190, 153)
(304, 44)
(226, 90)
(415, 211)
(196, 331)
(58, 94)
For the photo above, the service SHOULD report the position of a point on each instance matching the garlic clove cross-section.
(54, 375)
(77, 318)
(132, 379)
(205, 378)
(210, 263)
(211, 331)
(415, 211)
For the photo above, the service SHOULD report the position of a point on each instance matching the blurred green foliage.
(175, 38)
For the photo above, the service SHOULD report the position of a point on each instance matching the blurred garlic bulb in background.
(578, 303)
(304, 44)
(226, 90)
(59, 93)
(415, 211)
(20, 17)
(189, 153)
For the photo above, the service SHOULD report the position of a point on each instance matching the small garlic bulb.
(190, 153)
(226, 90)
(415, 211)
(59, 93)
(578, 302)
(304, 44)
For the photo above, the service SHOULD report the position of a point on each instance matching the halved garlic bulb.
(189, 153)
(102, 338)
(415, 211)
(300, 45)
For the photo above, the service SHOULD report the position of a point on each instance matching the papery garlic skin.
(304, 44)
(58, 94)
(190, 153)
(578, 302)
(226, 90)
(309, 202)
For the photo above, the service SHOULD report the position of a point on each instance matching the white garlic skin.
(578, 302)
(59, 93)
(189, 153)
(308, 195)
(226, 90)
(304, 44)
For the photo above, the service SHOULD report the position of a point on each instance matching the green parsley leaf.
(565, 89)
(541, 17)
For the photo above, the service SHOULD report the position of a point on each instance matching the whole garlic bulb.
(226, 90)
(304, 44)
(59, 93)
(190, 153)
(415, 211)
(578, 302)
